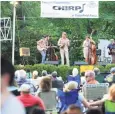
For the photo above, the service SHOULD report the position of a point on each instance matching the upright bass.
(93, 53)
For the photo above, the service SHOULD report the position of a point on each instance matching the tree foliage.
(30, 27)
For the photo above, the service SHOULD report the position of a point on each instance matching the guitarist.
(42, 46)
(111, 48)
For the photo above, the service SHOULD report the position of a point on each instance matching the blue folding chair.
(76, 79)
(68, 98)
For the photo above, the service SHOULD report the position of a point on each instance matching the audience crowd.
(26, 92)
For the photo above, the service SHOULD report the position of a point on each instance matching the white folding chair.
(95, 91)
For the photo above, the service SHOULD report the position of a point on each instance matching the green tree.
(30, 27)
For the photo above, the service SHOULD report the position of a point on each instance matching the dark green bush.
(62, 70)
(102, 68)
(109, 66)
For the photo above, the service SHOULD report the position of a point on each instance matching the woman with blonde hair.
(112, 93)
(71, 95)
(70, 86)
(35, 79)
(35, 74)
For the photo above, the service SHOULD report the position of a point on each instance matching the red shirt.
(30, 100)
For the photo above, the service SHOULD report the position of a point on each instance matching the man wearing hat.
(29, 100)
(111, 77)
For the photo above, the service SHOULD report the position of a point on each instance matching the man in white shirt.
(9, 103)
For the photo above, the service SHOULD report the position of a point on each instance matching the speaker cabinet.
(24, 51)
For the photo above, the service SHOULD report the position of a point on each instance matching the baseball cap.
(24, 88)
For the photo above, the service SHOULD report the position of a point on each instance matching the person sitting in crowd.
(83, 79)
(94, 111)
(111, 77)
(75, 76)
(108, 102)
(21, 77)
(47, 93)
(55, 75)
(35, 79)
(35, 74)
(9, 103)
(29, 100)
(36, 110)
(98, 76)
(44, 73)
(56, 83)
(16, 75)
(71, 95)
(73, 109)
(90, 77)
(28, 74)
(45, 85)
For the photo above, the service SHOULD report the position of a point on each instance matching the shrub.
(48, 68)
(62, 70)
(109, 66)
(102, 68)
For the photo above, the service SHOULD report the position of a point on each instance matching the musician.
(42, 46)
(87, 49)
(64, 43)
(111, 48)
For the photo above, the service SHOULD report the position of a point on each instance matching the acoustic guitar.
(44, 49)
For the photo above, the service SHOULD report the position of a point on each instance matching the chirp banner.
(69, 9)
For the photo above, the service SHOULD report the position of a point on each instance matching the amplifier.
(24, 51)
